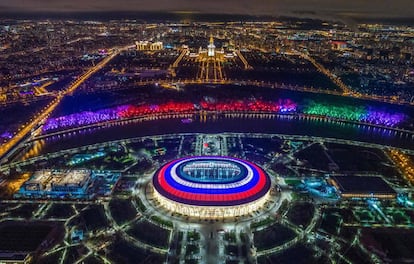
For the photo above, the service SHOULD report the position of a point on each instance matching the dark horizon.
(163, 16)
(348, 11)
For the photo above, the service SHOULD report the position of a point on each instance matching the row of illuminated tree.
(357, 113)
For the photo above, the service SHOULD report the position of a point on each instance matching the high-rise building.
(211, 47)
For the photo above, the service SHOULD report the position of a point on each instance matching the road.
(42, 115)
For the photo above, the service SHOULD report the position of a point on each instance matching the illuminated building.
(68, 183)
(57, 183)
(211, 62)
(362, 187)
(211, 47)
(147, 45)
(339, 45)
(211, 187)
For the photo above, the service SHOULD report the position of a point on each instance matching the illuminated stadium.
(211, 187)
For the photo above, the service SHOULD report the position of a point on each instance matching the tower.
(211, 47)
(210, 63)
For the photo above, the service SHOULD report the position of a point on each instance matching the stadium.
(211, 187)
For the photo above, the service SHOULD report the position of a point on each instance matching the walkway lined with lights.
(246, 64)
(345, 89)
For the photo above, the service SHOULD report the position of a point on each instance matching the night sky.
(329, 8)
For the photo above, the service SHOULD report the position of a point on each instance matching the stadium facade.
(211, 187)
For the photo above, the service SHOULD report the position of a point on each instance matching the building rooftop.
(374, 185)
(75, 177)
(49, 178)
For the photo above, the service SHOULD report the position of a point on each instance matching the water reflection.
(267, 124)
